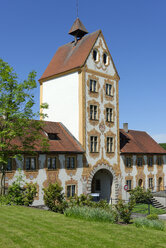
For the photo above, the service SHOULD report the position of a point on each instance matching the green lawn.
(26, 227)
(143, 209)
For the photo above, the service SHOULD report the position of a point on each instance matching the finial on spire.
(77, 7)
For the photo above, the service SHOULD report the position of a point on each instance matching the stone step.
(157, 204)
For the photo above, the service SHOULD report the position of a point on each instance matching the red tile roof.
(66, 142)
(70, 56)
(138, 142)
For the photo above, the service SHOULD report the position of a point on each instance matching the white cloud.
(159, 138)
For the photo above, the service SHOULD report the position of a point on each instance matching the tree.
(19, 132)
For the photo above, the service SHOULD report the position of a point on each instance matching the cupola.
(78, 30)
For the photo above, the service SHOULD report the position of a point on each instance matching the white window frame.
(32, 160)
(71, 190)
(150, 183)
(70, 162)
(109, 114)
(138, 161)
(93, 112)
(50, 162)
(110, 144)
(93, 143)
(128, 162)
(93, 85)
(108, 89)
(129, 183)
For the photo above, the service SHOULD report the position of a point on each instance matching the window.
(128, 183)
(128, 162)
(51, 163)
(140, 183)
(71, 163)
(109, 115)
(150, 161)
(98, 185)
(53, 136)
(159, 160)
(108, 89)
(150, 183)
(71, 190)
(9, 164)
(93, 112)
(30, 163)
(93, 144)
(110, 144)
(139, 161)
(105, 58)
(95, 55)
(93, 86)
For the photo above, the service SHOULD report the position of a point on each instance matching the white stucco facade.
(62, 95)
(42, 174)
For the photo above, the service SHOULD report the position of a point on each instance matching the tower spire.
(77, 7)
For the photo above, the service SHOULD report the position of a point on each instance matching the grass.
(91, 214)
(153, 224)
(143, 209)
(23, 227)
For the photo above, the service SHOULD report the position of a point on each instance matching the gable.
(104, 62)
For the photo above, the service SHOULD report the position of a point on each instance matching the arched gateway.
(103, 180)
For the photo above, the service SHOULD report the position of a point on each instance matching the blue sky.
(135, 32)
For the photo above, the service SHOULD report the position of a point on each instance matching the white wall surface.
(62, 96)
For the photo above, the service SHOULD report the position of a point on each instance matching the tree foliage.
(141, 195)
(18, 130)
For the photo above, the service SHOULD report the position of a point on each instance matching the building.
(142, 161)
(80, 84)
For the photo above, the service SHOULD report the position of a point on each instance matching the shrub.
(21, 195)
(141, 195)
(82, 200)
(153, 224)
(86, 200)
(54, 198)
(15, 194)
(4, 200)
(29, 193)
(152, 217)
(125, 210)
(102, 204)
(89, 213)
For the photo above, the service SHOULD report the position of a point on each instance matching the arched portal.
(102, 184)
(110, 174)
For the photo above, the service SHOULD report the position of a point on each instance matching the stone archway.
(96, 173)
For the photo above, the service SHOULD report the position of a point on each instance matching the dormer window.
(105, 58)
(95, 55)
(53, 136)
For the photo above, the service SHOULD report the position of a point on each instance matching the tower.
(81, 87)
